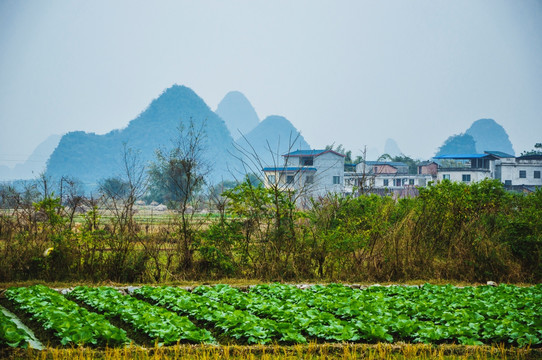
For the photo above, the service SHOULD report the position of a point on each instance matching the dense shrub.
(451, 231)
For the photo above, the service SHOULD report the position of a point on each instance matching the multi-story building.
(512, 171)
(385, 177)
(466, 167)
(311, 173)
(520, 171)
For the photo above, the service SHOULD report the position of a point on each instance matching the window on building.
(289, 179)
(336, 180)
(410, 181)
(309, 179)
(386, 182)
(508, 182)
(523, 174)
(465, 177)
(397, 182)
(271, 179)
(445, 176)
(537, 174)
(307, 161)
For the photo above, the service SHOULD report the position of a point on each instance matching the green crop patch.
(10, 334)
(155, 322)
(504, 315)
(237, 324)
(70, 323)
(427, 314)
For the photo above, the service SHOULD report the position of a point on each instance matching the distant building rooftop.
(311, 153)
(463, 156)
(499, 154)
(292, 168)
(390, 163)
(425, 163)
(350, 167)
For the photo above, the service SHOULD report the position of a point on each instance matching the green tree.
(267, 217)
(536, 151)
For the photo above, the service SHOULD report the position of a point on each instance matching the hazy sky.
(351, 72)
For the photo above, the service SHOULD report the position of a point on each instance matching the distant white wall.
(511, 172)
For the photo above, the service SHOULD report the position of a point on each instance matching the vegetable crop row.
(316, 324)
(237, 324)
(285, 314)
(156, 322)
(10, 334)
(469, 315)
(69, 322)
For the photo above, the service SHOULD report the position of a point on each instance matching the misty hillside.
(489, 135)
(482, 135)
(458, 144)
(90, 157)
(391, 148)
(35, 164)
(238, 114)
(273, 137)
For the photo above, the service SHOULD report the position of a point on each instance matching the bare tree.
(269, 214)
(71, 197)
(366, 177)
(123, 191)
(45, 185)
(119, 195)
(296, 181)
(180, 174)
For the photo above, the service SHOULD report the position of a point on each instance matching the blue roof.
(293, 168)
(499, 154)
(463, 156)
(391, 163)
(305, 153)
(311, 153)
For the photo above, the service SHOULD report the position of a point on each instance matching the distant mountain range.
(35, 164)
(90, 157)
(482, 135)
(260, 143)
(489, 135)
(233, 134)
(272, 138)
(238, 114)
(391, 148)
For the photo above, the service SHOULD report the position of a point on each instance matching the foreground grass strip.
(69, 322)
(157, 323)
(263, 352)
(240, 325)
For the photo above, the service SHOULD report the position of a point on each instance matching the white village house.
(391, 177)
(312, 173)
(513, 172)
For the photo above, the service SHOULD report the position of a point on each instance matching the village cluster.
(315, 173)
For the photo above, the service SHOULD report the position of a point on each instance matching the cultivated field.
(325, 321)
